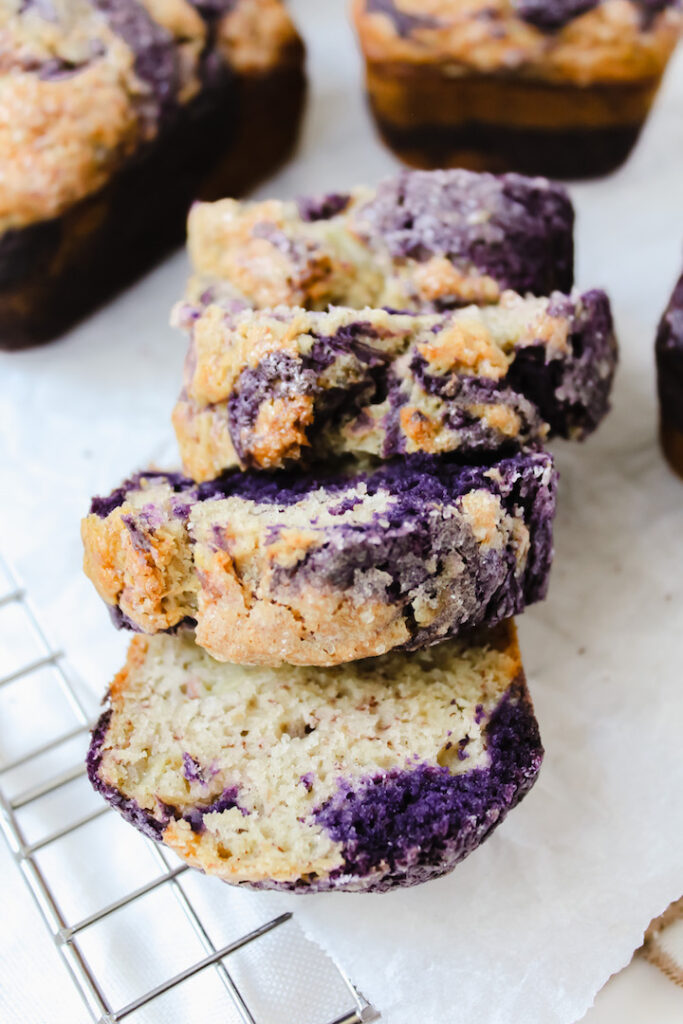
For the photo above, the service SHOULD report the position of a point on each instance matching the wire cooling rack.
(267, 974)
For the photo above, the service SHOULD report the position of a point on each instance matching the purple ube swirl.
(523, 242)
(406, 542)
(157, 61)
(151, 825)
(156, 56)
(407, 826)
(572, 394)
(323, 207)
(669, 356)
(397, 828)
(546, 15)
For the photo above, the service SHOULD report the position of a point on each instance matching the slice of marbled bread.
(362, 777)
(270, 388)
(319, 570)
(421, 240)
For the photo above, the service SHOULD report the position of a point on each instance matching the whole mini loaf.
(556, 87)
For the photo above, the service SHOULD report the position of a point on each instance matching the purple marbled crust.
(552, 15)
(398, 828)
(156, 57)
(546, 15)
(572, 395)
(403, 22)
(525, 243)
(568, 390)
(669, 356)
(430, 476)
(407, 542)
(129, 809)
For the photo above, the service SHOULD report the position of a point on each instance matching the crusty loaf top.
(85, 83)
(579, 41)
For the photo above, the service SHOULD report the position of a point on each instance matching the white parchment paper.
(528, 929)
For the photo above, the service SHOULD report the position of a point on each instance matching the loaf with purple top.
(322, 569)
(669, 354)
(419, 241)
(271, 388)
(557, 87)
(363, 777)
(114, 116)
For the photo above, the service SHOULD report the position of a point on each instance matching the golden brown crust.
(240, 619)
(58, 143)
(606, 44)
(222, 243)
(255, 35)
(121, 685)
(147, 583)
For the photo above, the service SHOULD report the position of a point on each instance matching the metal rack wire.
(67, 934)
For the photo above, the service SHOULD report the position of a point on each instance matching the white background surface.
(531, 927)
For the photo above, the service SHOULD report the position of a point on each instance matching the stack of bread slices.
(325, 690)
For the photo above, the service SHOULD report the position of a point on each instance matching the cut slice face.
(363, 777)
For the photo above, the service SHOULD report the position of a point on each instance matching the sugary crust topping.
(611, 42)
(263, 253)
(267, 388)
(62, 137)
(85, 83)
(314, 581)
(419, 241)
(465, 346)
(437, 278)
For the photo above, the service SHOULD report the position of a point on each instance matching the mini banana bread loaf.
(364, 777)
(419, 241)
(319, 570)
(267, 389)
(669, 354)
(114, 116)
(557, 87)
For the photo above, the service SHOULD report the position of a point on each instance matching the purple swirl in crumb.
(422, 821)
(517, 230)
(151, 825)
